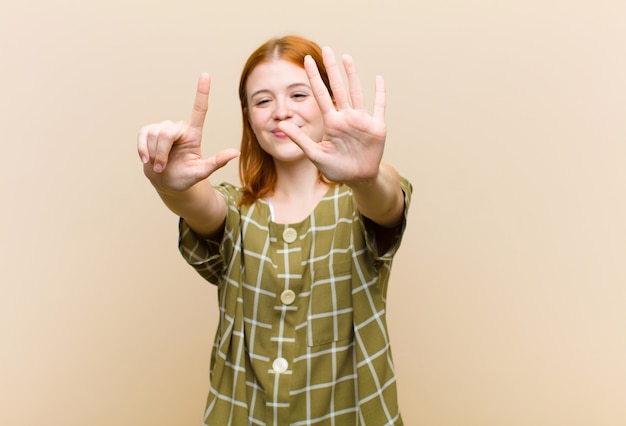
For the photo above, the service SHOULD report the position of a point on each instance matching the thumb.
(219, 160)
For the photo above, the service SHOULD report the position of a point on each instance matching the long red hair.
(256, 167)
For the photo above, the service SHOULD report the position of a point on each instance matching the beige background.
(508, 299)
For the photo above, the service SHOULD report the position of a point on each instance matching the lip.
(277, 133)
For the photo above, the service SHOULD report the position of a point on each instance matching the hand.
(171, 151)
(353, 143)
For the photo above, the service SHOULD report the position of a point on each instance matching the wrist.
(366, 183)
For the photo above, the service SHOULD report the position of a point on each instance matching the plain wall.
(507, 304)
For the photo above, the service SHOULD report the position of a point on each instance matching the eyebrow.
(291, 86)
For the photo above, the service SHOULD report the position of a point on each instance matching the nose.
(282, 109)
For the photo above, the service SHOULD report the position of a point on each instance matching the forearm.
(201, 206)
(381, 199)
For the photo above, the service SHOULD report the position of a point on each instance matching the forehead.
(275, 74)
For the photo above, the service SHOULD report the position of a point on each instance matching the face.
(280, 90)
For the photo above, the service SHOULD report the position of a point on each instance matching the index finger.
(201, 102)
(320, 91)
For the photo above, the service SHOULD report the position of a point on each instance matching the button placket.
(290, 235)
(288, 297)
(280, 365)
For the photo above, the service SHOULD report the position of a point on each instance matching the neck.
(297, 193)
(296, 181)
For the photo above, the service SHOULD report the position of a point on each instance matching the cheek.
(316, 119)
(312, 113)
(256, 120)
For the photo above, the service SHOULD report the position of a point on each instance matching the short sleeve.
(209, 257)
(368, 227)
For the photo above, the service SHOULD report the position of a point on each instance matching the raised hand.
(171, 151)
(353, 143)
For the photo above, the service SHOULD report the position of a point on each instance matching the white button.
(280, 365)
(288, 297)
(289, 235)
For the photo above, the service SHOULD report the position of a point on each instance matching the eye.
(300, 96)
(261, 102)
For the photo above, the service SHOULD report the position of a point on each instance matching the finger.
(380, 99)
(320, 91)
(356, 90)
(163, 145)
(142, 145)
(152, 135)
(335, 79)
(218, 161)
(300, 138)
(201, 102)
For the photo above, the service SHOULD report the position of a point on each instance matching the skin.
(280, 91)
(304, 130)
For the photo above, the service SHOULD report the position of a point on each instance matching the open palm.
(353, 143)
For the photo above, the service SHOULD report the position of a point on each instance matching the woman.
(301, 252)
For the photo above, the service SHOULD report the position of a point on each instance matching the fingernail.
(158, 168)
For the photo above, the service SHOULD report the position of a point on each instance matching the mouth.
(278, 134)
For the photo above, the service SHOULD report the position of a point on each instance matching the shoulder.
(407, 188)
(228, 190)
(339, 199)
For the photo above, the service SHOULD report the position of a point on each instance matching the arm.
(172, 161)
(353, 144)
(200, 206)
(381, 199)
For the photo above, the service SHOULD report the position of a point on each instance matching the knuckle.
(166, 134)
(160, 157)
(152, 131)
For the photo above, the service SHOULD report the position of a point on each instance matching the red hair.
(256, 167)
